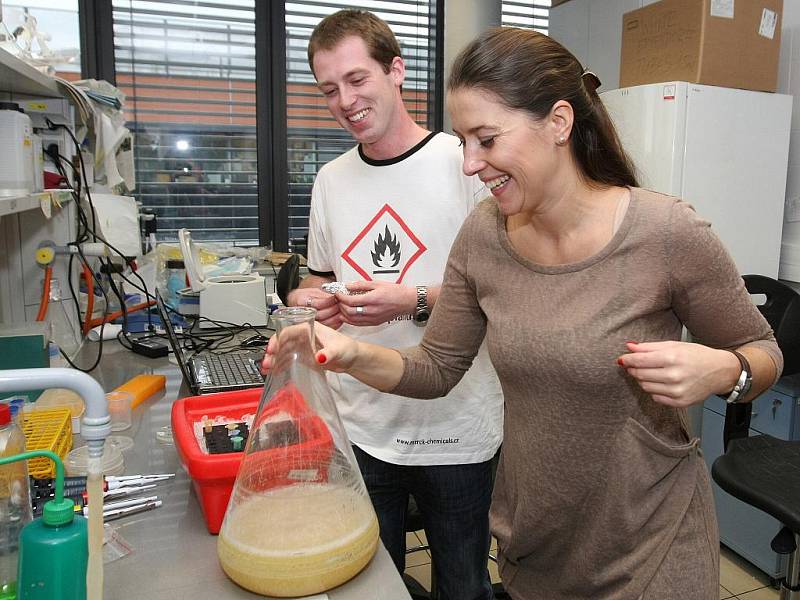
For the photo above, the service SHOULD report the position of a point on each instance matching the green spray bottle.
(53, 549)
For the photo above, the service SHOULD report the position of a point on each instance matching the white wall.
(464, 20)
(592, 30)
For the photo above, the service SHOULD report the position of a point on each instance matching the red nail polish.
(322, 359)
(620, 363)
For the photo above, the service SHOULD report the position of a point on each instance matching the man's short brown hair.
(381, 43)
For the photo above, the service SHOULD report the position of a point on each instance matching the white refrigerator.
(723, 150)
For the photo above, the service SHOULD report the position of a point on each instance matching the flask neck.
(294, 328)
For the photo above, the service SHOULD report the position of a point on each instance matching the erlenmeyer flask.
(299, 520)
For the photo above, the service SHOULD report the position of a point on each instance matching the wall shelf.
(19, 78)
(14, 204)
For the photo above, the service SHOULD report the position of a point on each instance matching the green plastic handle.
(59, 491)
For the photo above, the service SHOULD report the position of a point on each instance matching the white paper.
(722, 8)
(109, 137)
(45, 204)
(769, 20)
(118, 222)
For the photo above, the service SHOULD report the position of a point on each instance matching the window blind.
(533, 14)
(188, 69)
(188, 72)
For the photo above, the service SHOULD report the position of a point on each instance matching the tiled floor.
(739, 580)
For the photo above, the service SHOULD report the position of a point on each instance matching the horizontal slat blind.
(533, 14)
(188, 71)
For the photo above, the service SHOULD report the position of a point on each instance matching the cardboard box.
(735, 43)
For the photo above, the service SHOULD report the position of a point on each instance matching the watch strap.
(421, 311)
(422, 298)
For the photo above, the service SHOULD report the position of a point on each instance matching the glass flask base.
(317, 541)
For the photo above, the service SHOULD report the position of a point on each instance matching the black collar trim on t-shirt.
(396, 159)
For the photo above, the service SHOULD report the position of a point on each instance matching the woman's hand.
(335, 351)
(680, 373)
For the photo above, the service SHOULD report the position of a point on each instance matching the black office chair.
(764, 471)
(288, 278)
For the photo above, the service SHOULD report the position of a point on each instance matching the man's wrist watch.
(422, 311)
(743, 383)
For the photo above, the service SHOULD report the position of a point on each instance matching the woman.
(580, 282)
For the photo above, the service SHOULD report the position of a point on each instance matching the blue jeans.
(454, 502)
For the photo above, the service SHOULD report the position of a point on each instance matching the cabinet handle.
(775, 404)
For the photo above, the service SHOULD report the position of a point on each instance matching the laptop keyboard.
(226, 369)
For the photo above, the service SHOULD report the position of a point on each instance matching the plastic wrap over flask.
(299, 520)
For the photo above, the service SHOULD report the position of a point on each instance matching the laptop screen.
(173, 340)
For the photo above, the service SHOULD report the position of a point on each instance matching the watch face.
(422, 316)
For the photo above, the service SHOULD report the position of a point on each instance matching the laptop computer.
(206, 372)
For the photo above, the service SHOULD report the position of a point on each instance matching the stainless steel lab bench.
(174, 557)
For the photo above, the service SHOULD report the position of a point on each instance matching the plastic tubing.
(59, 484)
(89, 278)
(48, 275)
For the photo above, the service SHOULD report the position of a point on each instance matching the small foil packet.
(335, 287)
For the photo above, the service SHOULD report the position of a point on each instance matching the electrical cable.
(82, 236)
(198, 341)
(92, 229)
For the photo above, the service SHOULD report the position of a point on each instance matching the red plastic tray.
(213, 475)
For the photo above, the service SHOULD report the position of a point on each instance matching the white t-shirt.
(395, 220)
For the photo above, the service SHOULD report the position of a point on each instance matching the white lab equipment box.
(723, 150)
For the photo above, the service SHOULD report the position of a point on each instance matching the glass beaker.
(299, 520)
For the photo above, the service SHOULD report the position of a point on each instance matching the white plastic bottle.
(16, 148)
(15, 502)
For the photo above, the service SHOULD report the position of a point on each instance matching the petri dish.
(77, 461)
(121, 442)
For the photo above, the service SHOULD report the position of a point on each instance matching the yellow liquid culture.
(298, 540)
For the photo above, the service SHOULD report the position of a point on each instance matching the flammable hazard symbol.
(385, 248)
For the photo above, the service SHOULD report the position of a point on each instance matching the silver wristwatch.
(422, 311)
(743, 383)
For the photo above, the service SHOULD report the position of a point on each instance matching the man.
(384, 215)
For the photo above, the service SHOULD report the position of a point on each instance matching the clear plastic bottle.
(62, 329)
(15, 502)
(299, 520)
(176, 280)
(111, 273)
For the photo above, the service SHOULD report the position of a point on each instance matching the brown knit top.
(595, 478)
